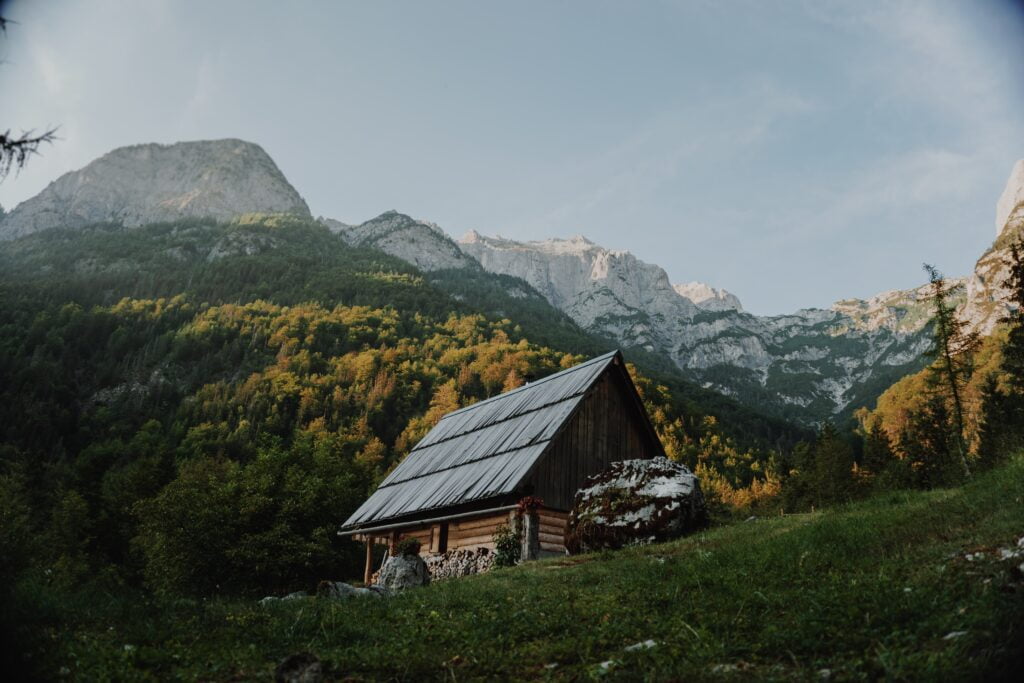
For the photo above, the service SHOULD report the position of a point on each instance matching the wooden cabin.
(543, 439)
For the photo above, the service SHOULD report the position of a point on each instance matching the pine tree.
(878, 452)
(1013, 352)
(1002, 412)
(798, 468)
(997, 429)
(833, 467)
(952, 349)
(929, 444)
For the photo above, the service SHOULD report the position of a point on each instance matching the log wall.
(475, 532)
(552, 531)
(471, 533)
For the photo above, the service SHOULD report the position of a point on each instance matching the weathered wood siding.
(421, 533)
(552, 530)
(475, 532)
(608, 427)
(468, 533)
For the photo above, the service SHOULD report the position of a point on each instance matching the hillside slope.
(805, 367)
(906, 586)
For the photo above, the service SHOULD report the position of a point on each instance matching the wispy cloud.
(204, 91)
(650, 156)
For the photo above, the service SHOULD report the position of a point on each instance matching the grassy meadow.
(882, 588)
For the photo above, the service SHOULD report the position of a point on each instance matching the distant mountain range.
(808, 366)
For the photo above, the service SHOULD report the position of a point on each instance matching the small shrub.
(529, 503)
(407, 546)
(507, 546)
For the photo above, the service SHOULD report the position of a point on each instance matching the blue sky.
(794, 153)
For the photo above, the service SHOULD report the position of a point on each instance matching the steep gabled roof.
(484, 450)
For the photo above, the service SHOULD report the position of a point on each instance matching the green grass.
(867, 591)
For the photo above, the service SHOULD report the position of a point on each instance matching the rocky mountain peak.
(1010, 207)
(709, 298)
(149, 183)
(421, 243)
(611, 292)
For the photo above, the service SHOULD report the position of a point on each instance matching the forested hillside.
(966, 409)
(198, 405)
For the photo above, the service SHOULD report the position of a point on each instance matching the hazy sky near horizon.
(794, 153)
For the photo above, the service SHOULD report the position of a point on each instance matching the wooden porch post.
(368, 570)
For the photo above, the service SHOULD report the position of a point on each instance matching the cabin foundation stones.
(514, 460)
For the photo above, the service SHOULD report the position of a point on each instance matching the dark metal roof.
(483, 450)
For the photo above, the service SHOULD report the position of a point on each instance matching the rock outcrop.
(709, 298)
(339, 590)
(403, 571)
(987, 297)
(1010, 207)
(635, 502)
(141, 184)
(422, 244)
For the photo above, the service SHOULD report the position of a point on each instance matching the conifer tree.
(1002, 412)
(798, 468)
(997, 428)
(929, 443)
(1013, 352)
(952, 349)
(877, 450)
(833, 467)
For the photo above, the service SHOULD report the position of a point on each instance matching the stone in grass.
(339, 590)
(635, 502)
(271, 599)
(303, 667)
(403, 571)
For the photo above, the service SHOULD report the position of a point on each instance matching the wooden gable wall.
(608, 427)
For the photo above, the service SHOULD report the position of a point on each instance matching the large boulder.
(403, 571)
(634, 502)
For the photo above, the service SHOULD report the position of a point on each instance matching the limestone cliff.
(987, 298)
(810, 364)
(150, 183)
(1010, 207)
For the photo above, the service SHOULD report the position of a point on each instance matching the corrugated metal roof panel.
(483, 450)
(529, 397)
(512, 434)
(478, 480)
